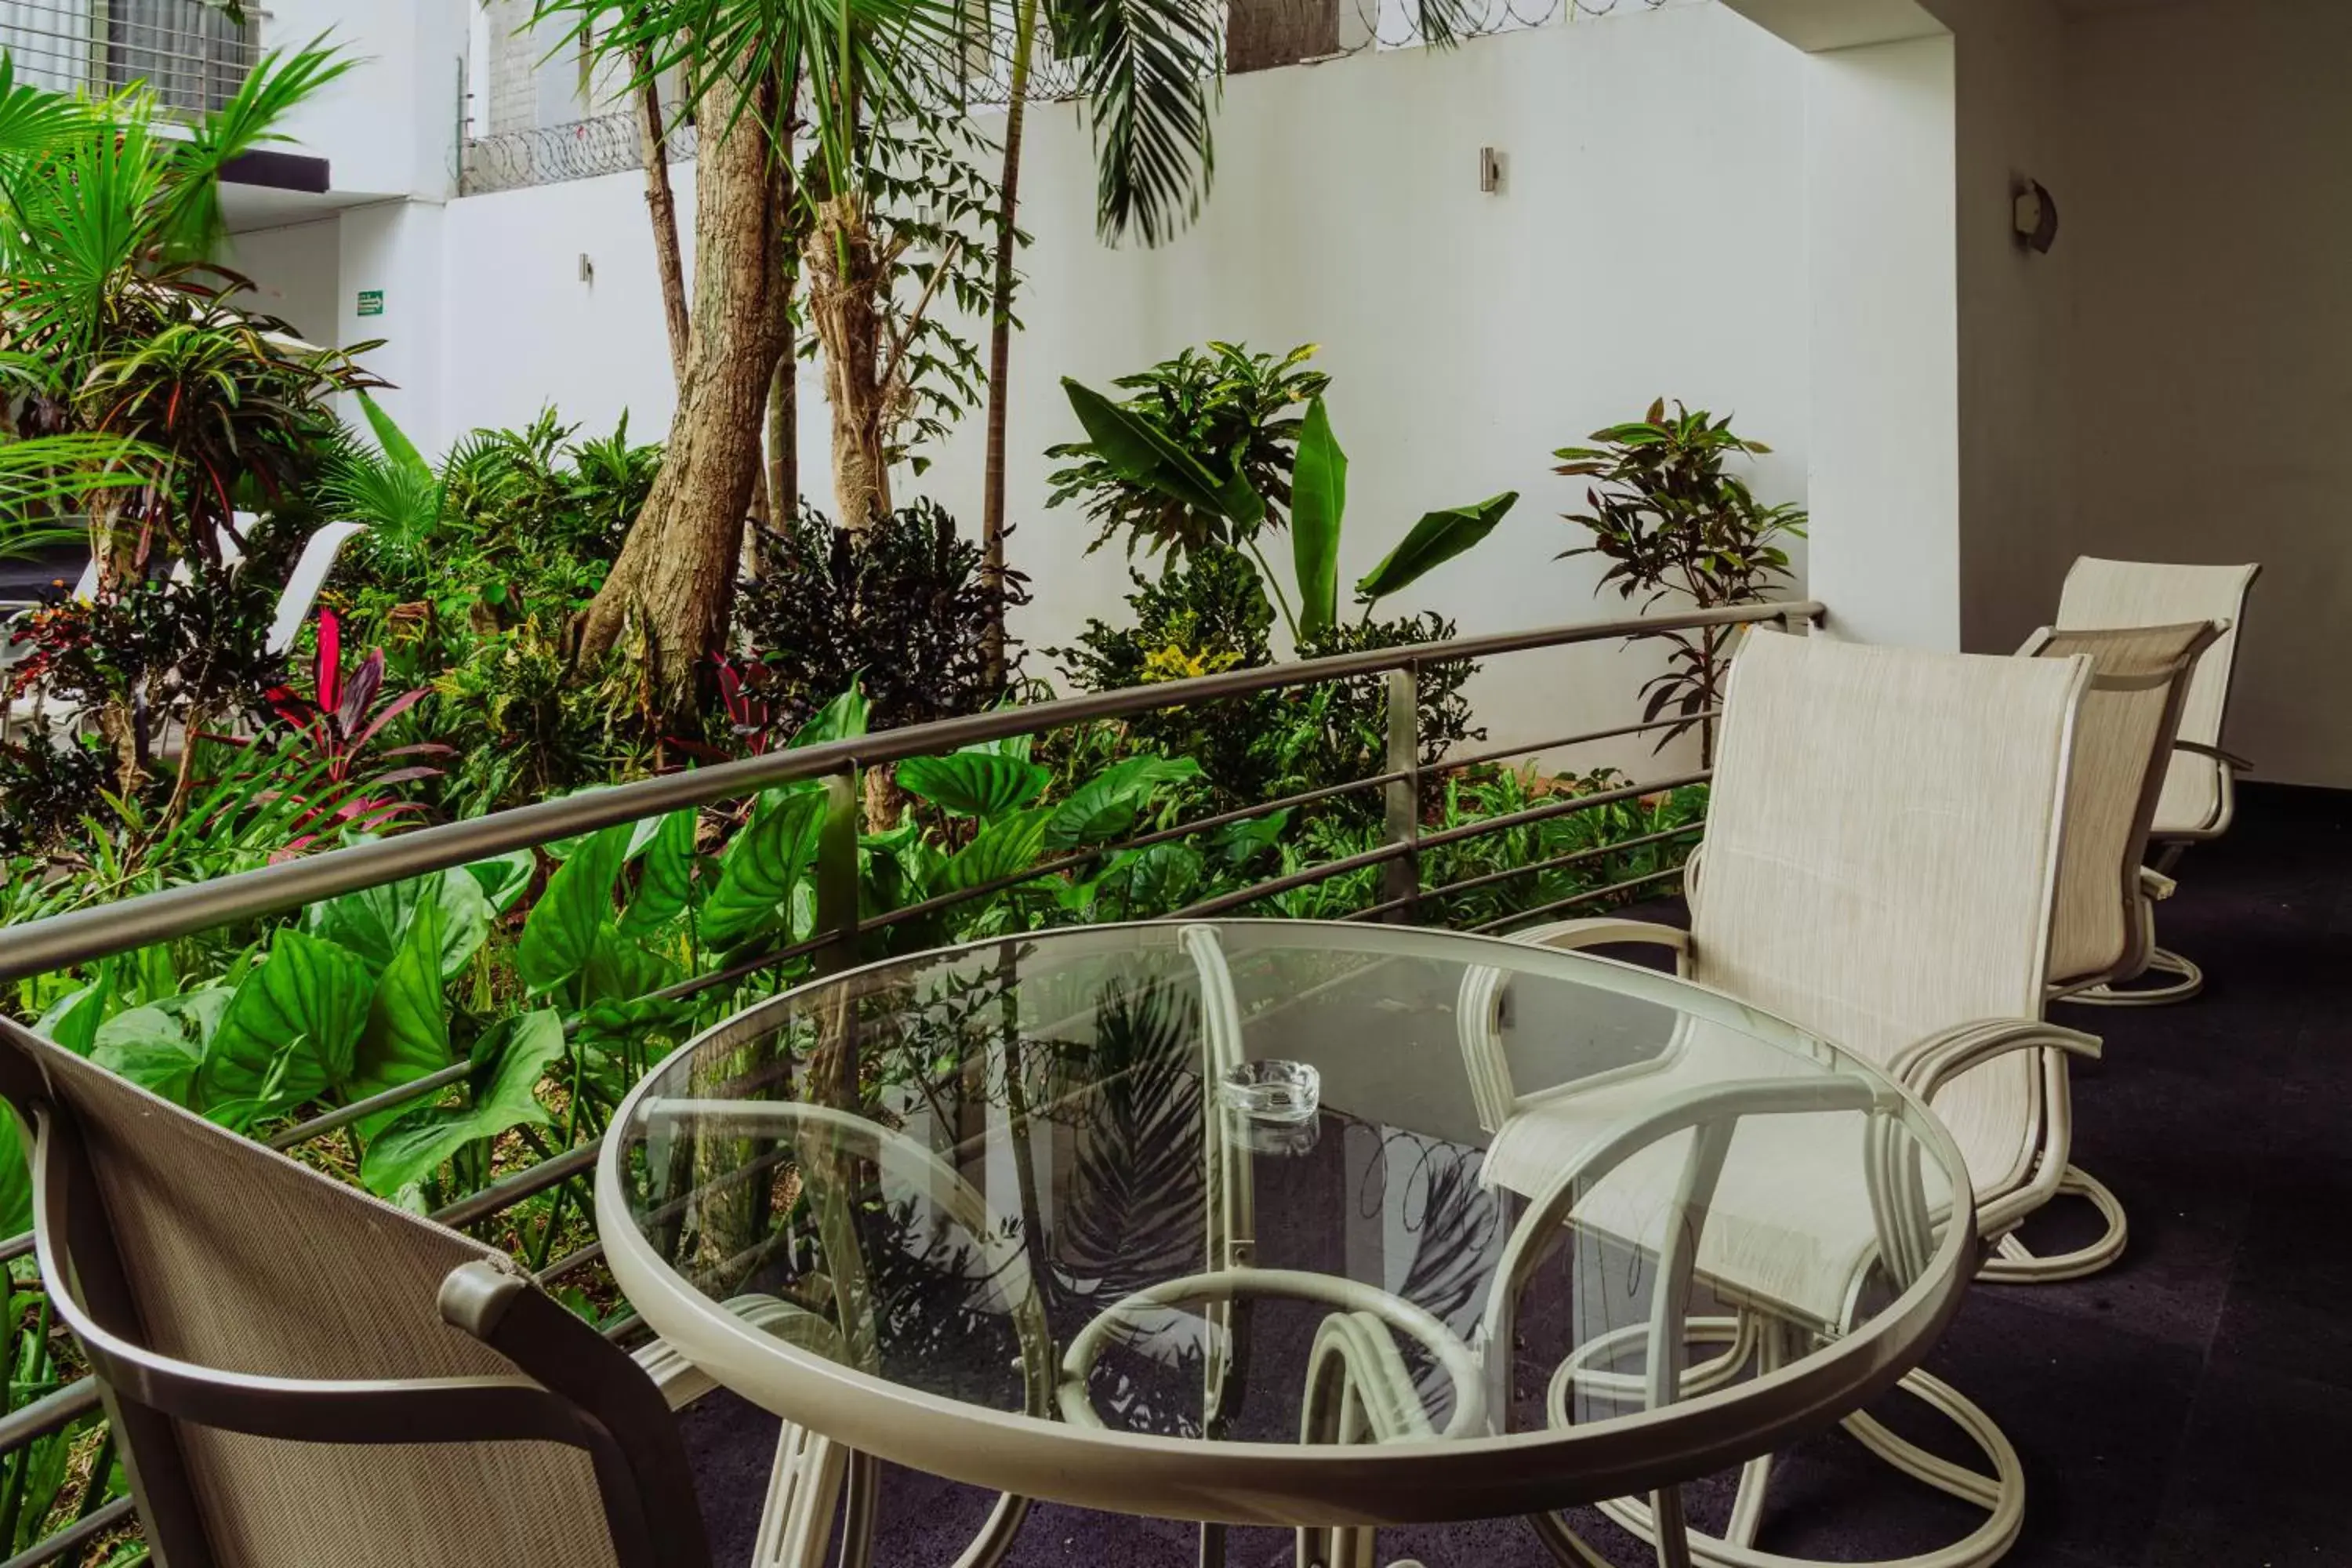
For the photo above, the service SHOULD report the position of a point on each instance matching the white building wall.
(389, 127)
(1886, 477)
(1469, 334)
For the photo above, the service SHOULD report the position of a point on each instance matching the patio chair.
(1880, 869)
(298, 1375)
(2199, 796)
(2100, 935)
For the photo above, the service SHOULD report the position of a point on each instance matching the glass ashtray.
(1282, 1093)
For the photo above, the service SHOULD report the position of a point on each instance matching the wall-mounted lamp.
(2034, 212)
(1490, 170)
(587, 268)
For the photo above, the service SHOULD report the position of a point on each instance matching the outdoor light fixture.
(2035, 212)
(1490, 170)
(587, 268)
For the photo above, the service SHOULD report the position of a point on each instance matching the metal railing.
(87, 936)
(189, 52)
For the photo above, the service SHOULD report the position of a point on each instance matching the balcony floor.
(2192, 1405)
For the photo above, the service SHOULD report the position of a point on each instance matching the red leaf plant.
(340, 721)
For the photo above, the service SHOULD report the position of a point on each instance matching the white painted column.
(1880, 156)
(393, 249)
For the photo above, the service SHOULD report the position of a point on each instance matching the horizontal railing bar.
(1574, 858)
(571, 1262)
(77, 1535)
(1585, 898)
(81, 936)
(507, 1191)
(51, 1413)
(1504, 753)
(361, 1110)
(1387, 906)
(1563, 807)
(742, 970)
(1304, 879)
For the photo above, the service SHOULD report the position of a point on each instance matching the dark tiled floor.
(2189, 1408)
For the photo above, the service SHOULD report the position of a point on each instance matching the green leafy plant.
(902, 608)
(1668, 519)
(1219, 411)
(1149, 462)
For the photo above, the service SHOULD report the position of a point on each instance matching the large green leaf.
(15, 1176)
(665, 875)
(1107, 805)
(289, 1032)
(1146, 455)
(974, 783)
(1434, 540)
(72, 1020)
(422, 1140)
(1318, 504)
(148, 1046)
(1008, 845)
(577, 904)
(757, 871)
(843, 719)
(375, 921)
(505, 878)
(408, 1023)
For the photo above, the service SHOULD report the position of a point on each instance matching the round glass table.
(1285, 1223)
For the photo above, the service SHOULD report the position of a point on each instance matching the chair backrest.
(239, 1259)
(2155, 594)
(1882, 848)
(2123, 753)
(304, 583)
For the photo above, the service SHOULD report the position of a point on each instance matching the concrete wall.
(2016, 315)
(1469, 334)
(1884, 478)
(297, 269)
(389, 127)
(2209, 221)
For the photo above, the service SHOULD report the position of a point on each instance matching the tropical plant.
(901, 607)
(342, 718)
(1225, 408)
(1668, 519)
(1150, 461)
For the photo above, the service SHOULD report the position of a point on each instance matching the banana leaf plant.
(1143, 454)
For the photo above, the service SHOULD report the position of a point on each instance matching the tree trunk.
(661, 204)
(784, 435)
(844, 275)
(114, 546)
(676, 569)
(1000, 344)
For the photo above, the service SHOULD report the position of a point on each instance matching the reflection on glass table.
(1557, 1230)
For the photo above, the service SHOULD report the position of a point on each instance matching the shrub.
(900, 608)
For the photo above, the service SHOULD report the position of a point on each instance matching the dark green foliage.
(901, 609)
(46, 790)
(1668, 519)
(1233, 413)
(1210, 614)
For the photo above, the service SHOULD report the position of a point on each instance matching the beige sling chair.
(298, 1375)
(1880, 870)
(2199, 791)
(2124, 740)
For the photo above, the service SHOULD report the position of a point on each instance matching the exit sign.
(371, 302)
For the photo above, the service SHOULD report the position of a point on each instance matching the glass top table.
(1552, 1228)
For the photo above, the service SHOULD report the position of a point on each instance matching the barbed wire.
(978, 78)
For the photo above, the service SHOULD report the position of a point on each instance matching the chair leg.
(2188, 981)
(2012, 1263)
(2000, 1494)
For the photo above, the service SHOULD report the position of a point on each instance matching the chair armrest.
(2230, 759)
(1604, 931)
(310, 1410)
(1928, 1065)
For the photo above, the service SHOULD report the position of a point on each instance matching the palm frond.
(1149, 72)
